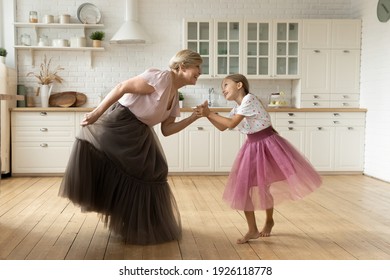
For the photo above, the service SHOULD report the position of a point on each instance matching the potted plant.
(46, 77)
(181, 99)
(97, 38)
(3, 54)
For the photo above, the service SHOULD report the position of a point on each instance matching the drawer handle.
(290, 128)
(346, 51)
(316, 96)
(350, 128)
(345, 104)
(44, 145)
(200, 128)
(345, 96)
(43, 129)
(291, 114)
(319, 128)
(336, 114)
(317, 51)
(290, 122)
(315, 103)
(43, 113)
(336, 122)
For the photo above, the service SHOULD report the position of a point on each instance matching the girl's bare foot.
(266, 231)
(248, 236)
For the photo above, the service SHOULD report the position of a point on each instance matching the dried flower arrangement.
(47, 76)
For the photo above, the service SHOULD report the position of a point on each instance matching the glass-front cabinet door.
(198, 37)
(286, 49)
(258, 49)
(228, 48)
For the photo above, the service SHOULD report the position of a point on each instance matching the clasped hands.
(202, 110)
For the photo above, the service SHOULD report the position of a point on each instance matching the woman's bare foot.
(266, 231)
(249, 236)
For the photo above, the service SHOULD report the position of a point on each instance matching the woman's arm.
(169, 126)
(135, 85)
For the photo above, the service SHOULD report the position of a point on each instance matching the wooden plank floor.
(346, 219)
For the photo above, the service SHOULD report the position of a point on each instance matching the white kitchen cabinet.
(331, 34)
(199, 151)
(330, 64)
(219, 44)
(198, 36)
(272, 49)
(335, 141)
(227, 145)
(41, 141)
(173, 147)
(291, 126)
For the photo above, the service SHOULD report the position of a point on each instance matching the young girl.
(267, 169)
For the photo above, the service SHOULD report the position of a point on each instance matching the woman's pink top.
(151, 109)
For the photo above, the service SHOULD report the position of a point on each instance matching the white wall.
(375, 88)
(163, 20)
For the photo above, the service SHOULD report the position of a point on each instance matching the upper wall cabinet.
(258, 49)
(331, 34)
(219, 44)
(271, 49)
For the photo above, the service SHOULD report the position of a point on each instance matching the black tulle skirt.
(118, 169)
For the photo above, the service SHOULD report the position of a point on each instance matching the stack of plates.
(67, 99)
(88, 13)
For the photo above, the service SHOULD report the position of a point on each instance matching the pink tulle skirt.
(267, 171)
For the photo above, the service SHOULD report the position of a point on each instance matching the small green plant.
(181, 96)
(97, 35)
(3, 52)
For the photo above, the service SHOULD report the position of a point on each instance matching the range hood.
(131, 32)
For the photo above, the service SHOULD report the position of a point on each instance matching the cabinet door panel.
(345, 71)
(199, 152)
(37, 157)
(319, 147)
(316, 71)
(349, 150)
(227, 145)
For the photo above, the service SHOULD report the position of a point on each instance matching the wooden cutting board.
(67, 99)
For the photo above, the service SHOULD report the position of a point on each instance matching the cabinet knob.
(345, 104)
(43, 113)
(346, 51)
(350, 128)
(336, 122)
(316, 96)
(200, 128)
(290, 122)
(44, 145)
(43, 129)
(290, 128)
(317, 51)
(291, 114)
(336, 114)
(315, 103)
(319, 128)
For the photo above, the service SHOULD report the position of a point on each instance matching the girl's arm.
(135, 85)
(220, 122)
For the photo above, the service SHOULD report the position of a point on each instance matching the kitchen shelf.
(37, 26)
(57, 25)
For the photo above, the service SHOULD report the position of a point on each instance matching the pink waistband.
(266, 132)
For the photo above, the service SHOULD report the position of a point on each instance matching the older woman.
(117, 167)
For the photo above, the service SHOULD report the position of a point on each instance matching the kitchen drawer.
(337, 115)
(335, 122)
(42, 133)
(290, 115)
(43, 119)
(345, 96)
(290, 122)
(315, 104)
(344, 104)
(315, 97)
(35, 157)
